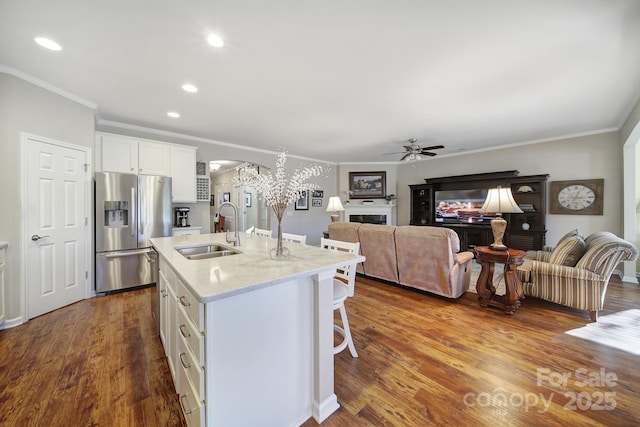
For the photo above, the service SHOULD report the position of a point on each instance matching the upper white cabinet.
(119, 154)
(154, 158)
(130, 155)
(125, 154)
(183, 173)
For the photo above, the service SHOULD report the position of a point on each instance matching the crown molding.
(47, 86)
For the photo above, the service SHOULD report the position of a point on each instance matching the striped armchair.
(577, 271)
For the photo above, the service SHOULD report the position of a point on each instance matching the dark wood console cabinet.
(528, 191)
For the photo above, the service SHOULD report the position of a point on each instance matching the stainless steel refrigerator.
(130, 210)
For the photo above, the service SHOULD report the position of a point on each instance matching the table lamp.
(499, 200)
(334, 206)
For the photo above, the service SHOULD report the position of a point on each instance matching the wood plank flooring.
(424, 360)
(98, 362)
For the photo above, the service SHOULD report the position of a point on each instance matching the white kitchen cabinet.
(190, 361)
(132, 155)
(185, 231)
(168, 311)
(125, 154)
(154, 158)
(3, 255)
(182, 331)
(119, 154)
(183, 173)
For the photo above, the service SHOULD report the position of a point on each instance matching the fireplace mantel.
(374, 209)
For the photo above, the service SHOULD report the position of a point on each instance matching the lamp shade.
(335, 205)
(500, 200)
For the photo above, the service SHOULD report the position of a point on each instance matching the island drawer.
(192, 408)
(191, 336)
(190, 370)
(191, 306)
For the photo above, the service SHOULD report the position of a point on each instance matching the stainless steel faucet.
(236, 239)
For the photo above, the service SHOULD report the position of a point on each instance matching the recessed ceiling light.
(49, 44)
(215, 40)
(173, 114)
(189, 88)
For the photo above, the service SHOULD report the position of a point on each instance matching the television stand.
(528, 191)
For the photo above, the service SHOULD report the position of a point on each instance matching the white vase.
(525, 226)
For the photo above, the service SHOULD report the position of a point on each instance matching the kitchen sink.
(206, 251)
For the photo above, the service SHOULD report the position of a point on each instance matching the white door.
(56, 225)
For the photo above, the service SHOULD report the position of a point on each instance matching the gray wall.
(25, 107)
(596, 156)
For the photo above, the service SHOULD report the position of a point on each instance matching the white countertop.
(217, 278)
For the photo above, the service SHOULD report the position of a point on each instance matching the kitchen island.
(249, 340)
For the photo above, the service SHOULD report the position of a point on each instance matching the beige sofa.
(425, 258)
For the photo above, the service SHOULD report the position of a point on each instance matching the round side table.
(511, 259)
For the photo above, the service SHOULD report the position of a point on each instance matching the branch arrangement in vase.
(279, 190)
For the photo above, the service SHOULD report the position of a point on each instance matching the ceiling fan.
(413, 151)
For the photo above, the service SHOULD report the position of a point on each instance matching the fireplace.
(368, 219)
(370, 214)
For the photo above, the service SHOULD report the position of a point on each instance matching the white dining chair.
(262, 232)
(343, 286)
(297, 238)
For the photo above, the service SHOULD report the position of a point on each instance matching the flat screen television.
(461, 206)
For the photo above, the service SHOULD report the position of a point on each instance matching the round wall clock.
(579, 197)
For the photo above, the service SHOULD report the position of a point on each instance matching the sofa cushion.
(427, 260)
(377, 244)
(569, 235)
(605, 253)
(569, 251)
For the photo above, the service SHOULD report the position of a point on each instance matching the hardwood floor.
(98, 362)
(423, 360)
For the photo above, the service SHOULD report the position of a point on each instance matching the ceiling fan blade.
(398, 152)
(405, 156)
(433, 147)
(428, 153)
(409, 147)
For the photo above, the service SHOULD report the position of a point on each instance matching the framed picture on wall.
(367, 185)
(316, 203)
(226, 197)
(247, 200)
(302, 204)
(317, 193)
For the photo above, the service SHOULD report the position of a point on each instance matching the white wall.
(25, 107)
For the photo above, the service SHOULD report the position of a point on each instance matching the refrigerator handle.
(129, 253)
(134, 219)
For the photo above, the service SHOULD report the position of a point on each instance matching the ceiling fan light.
(418, 157)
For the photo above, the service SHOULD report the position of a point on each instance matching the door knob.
(35, 237)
